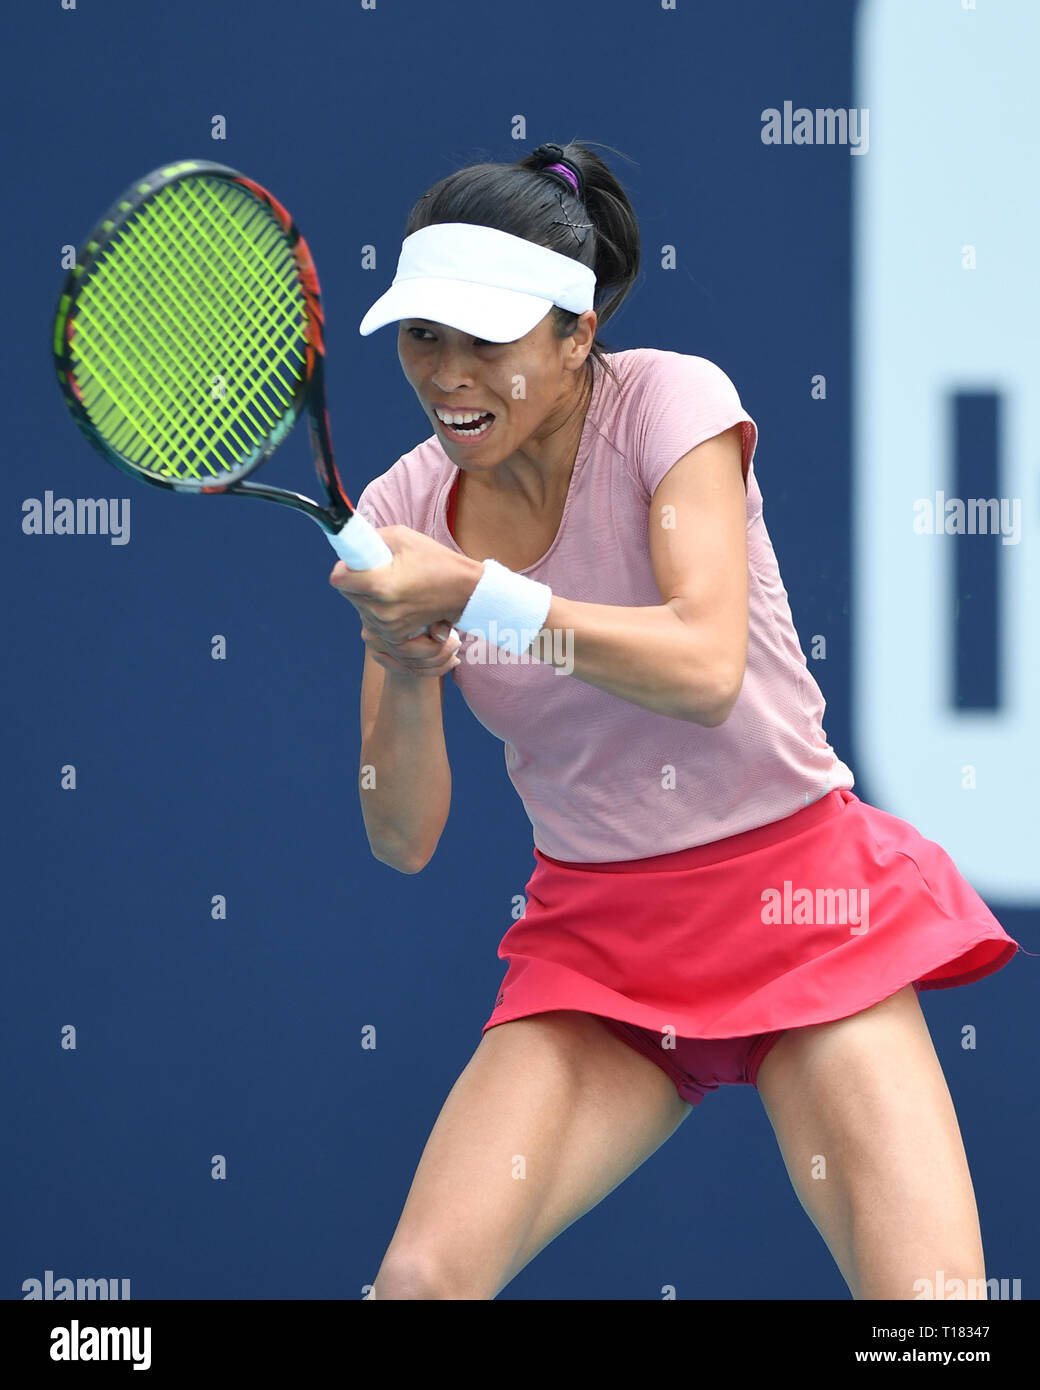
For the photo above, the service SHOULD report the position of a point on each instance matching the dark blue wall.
(198, 777)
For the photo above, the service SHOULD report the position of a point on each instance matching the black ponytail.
(598, 229)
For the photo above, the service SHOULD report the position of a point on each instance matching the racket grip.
(360, 546)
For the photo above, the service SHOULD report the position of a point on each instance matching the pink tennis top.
(603, 779)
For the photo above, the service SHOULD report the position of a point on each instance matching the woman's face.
(529, 385)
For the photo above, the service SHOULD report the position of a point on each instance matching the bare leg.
(867, 1096)
(551, 1113)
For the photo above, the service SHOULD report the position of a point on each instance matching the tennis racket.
(189, 338)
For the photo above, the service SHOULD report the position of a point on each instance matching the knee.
(919, 1269)
(416, 1277)
(957, 1282)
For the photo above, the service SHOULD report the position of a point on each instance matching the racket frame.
(308, 395)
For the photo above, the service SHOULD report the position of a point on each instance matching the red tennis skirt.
(807, 919)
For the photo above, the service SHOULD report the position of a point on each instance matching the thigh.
(866, 1126)
(551, 1113)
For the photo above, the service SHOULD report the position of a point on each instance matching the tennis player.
(711, 903)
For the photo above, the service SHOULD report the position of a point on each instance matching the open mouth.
(475, 429)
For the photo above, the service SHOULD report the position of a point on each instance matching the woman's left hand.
(425, 582)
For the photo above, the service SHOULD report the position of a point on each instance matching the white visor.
(481, 281)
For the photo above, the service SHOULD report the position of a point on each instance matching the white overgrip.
(360, 546)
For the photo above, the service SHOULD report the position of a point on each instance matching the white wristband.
(507, 608)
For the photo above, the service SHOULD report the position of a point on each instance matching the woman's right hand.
(428, 654)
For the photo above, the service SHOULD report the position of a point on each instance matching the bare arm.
(405, 777)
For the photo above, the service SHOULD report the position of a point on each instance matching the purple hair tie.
(567, 173)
